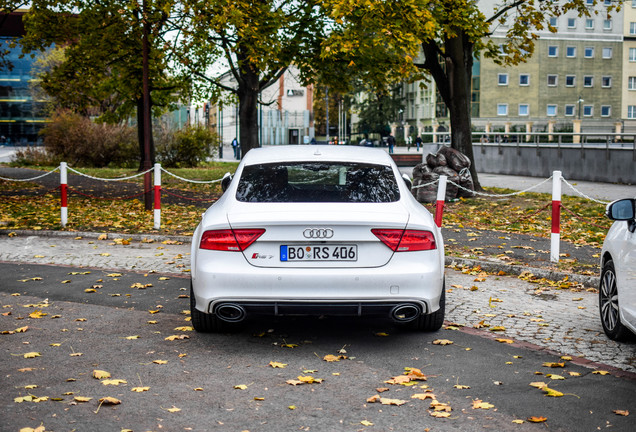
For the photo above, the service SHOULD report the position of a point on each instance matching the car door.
(626, 274)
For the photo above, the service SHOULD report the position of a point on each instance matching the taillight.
(229, 240)
(406, 240)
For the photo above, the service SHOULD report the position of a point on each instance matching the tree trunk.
(453, 80)
(248, 115)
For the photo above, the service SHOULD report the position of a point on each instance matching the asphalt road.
(114, 330)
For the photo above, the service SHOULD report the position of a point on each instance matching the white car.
(617, 291)
(317, 230)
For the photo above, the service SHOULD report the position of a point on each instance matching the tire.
(608, 305)
(204, 322)
(433, 321)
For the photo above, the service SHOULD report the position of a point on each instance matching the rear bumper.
(320, 291)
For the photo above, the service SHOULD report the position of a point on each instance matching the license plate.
(319, 253)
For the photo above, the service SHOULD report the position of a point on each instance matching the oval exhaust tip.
(230, 312)
(405, 312)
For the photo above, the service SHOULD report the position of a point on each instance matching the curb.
(588, 281)
(95, 235)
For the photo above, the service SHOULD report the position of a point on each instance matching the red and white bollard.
(157, 211)
(63, 195)
(555, 237)
(441, 196)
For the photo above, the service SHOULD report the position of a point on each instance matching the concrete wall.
(614, 165)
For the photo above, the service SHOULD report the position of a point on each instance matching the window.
(606, 82)
(553, 51)
(632, 54)
(571, 23)
(570, 80)
(502, 109)
(631, 83)
(502, 79)
(589, 23)
(524, 79)
(551, 111)
(553, 21)
(631, 111)
(313, 181)
(524, 109)
(588, 110)
(570, 51)
(569, 110)
(588, 81)
(552, 80)
(607, 53)
(589, 2)
(634, 3)
(606, 110)
(588, 52)
(632, 28)
(607, 24)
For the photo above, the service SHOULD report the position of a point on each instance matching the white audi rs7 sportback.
(317, 230)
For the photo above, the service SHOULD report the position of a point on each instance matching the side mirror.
(225, 182)
(407, 180)
(621, 210)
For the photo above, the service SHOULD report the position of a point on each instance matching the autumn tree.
(442, 38)
(95, 66)
(254, 42)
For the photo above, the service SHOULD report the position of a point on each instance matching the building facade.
(285, 113)
(581, 78)
(21, 117)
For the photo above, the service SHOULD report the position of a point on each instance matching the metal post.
(63, 195)
(441, 196)
(157, 211)
(555, 236)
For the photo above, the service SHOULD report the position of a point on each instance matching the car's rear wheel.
(433, 321)
(204, 322)
(608, 305)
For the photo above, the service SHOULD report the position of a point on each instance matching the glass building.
(21, 118)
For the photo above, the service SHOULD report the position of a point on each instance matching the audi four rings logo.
(318, 233)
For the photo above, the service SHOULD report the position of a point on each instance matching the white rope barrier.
(424, 185)
(582, 194)
(190, 181)
(500, 195)
(110, 179)
(32, 178)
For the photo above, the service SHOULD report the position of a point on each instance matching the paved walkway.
(563, 320)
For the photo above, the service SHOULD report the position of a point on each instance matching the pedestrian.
(391, 141)
(236, 148)
(418, 142)
(409, 142)
(313, 141)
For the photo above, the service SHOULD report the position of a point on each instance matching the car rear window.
(318, 182)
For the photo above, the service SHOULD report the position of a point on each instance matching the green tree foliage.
(186, 147)
(79, 141)
(378, 110)
(449, 34)
(100, 72)
(255, 41)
